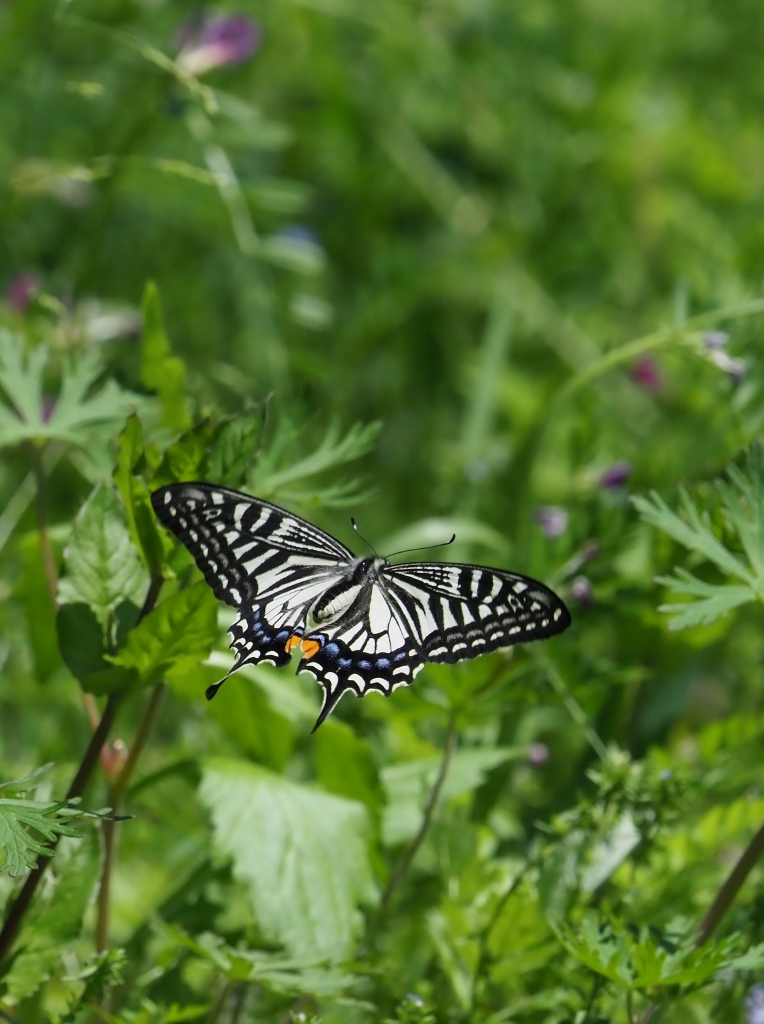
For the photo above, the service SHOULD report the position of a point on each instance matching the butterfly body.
(362, 623)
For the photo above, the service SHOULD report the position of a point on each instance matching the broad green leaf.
(102, 566)
(55, 919)
(160, 370)
(83, 647)
(301, 853)
(175, 637)
(69, 417)
(345, 765)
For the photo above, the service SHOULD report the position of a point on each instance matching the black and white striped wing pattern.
(267, 563)
(429, 612)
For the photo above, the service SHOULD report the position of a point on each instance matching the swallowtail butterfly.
(361, 623)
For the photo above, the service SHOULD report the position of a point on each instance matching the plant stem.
(85, 770)
(726, 895)
(89, 760)
(723, 900)
(116, 793)
(402, 869)
(41, 502)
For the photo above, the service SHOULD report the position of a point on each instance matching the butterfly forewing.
(462, 611)
(245, 547)
(269, 564)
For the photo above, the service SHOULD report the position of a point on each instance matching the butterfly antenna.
(355, 527)
(427, 547)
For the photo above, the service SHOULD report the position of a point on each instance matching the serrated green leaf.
(175, 637)
(333, 450)
(141, 521)
(234, 449)
(160, 370)
(102, 565)
(301, 853)
(185, 457)
(693, 532)
(714, 600)
(77, 409)
(46, 819)
(55, 919)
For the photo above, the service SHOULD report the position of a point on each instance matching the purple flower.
(581, 591)
(754, 1005)
(215, 42)
(715, 339)
(646, 374)
(21, 291)
(615, 476)
(538, 754)
(553, 519)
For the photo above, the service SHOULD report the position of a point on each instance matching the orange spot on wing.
(291, 643)
(310, 648)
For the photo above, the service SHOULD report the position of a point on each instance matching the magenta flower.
(716, 339)
(646, 374)
(21, 291)
(581, 591)
(615, 476)
(754, 1005)
(538, 754)
(553, 519)
(217, 42)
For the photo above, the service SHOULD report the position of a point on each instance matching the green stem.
(116, 794)
(726, 895)
(41, 503)
(408, 858)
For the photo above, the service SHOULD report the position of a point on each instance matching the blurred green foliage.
(449, 265)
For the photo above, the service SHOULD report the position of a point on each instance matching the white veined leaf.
(301, 853)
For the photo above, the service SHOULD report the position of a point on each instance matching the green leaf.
(234, 449)
(743, 503)
(46, 819)
(301, 853)
(185, 457)
(162, 372)
(79, 407)
(332, 450)
(83, 647)
(714, 601)
(175, 637)
(409, 784)
(102, 566)
(55, 919)
(345, 765)
(693, 532)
